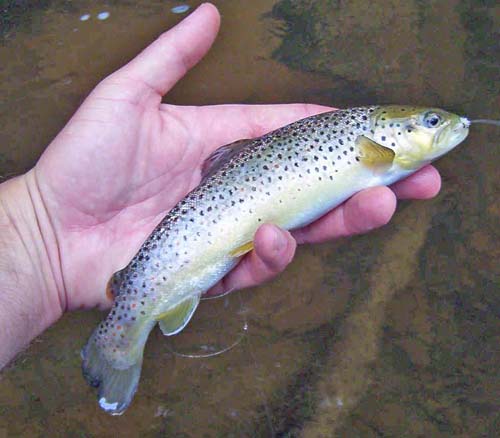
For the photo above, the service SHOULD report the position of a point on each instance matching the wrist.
(31, 287)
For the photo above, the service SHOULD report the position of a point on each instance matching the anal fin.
(174, 320)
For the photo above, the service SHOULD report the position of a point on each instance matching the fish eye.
(432, 120)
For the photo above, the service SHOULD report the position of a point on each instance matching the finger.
(274, 249)
(222, 124)
(424, 184)
(366, 210)
(167, 59)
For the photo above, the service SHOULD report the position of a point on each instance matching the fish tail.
(117, 386)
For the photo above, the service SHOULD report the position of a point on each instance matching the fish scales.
(278, 168)
(288, 177)
(301, 155)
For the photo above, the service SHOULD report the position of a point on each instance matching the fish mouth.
(451, 136)
(458, 133)
(465, 122)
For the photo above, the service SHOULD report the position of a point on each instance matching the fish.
(288, 177)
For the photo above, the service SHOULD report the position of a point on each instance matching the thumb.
(170, 56)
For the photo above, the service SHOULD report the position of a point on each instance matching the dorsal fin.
(221, 156)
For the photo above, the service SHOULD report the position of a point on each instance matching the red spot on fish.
(118, 327)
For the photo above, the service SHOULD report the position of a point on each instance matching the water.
(394, 333)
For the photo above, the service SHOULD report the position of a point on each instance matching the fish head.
(417, 135)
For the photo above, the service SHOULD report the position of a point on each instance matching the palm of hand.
(112, 171)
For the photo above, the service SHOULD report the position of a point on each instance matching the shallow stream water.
(394, 333)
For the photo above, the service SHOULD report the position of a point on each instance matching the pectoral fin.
(173, 321)
(242, 250)
(374, 155)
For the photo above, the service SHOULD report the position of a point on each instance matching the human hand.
(125, 159)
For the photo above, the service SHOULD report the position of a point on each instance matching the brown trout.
(289, 177)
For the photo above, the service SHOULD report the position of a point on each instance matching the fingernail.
(279, 240)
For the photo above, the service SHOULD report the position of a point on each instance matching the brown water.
(394, 333)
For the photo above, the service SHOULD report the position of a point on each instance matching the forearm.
(30, 293)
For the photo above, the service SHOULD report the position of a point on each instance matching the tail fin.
(116, 386)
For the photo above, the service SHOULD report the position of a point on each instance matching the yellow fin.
(374, 155)
(174, 320)
(242, 250)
